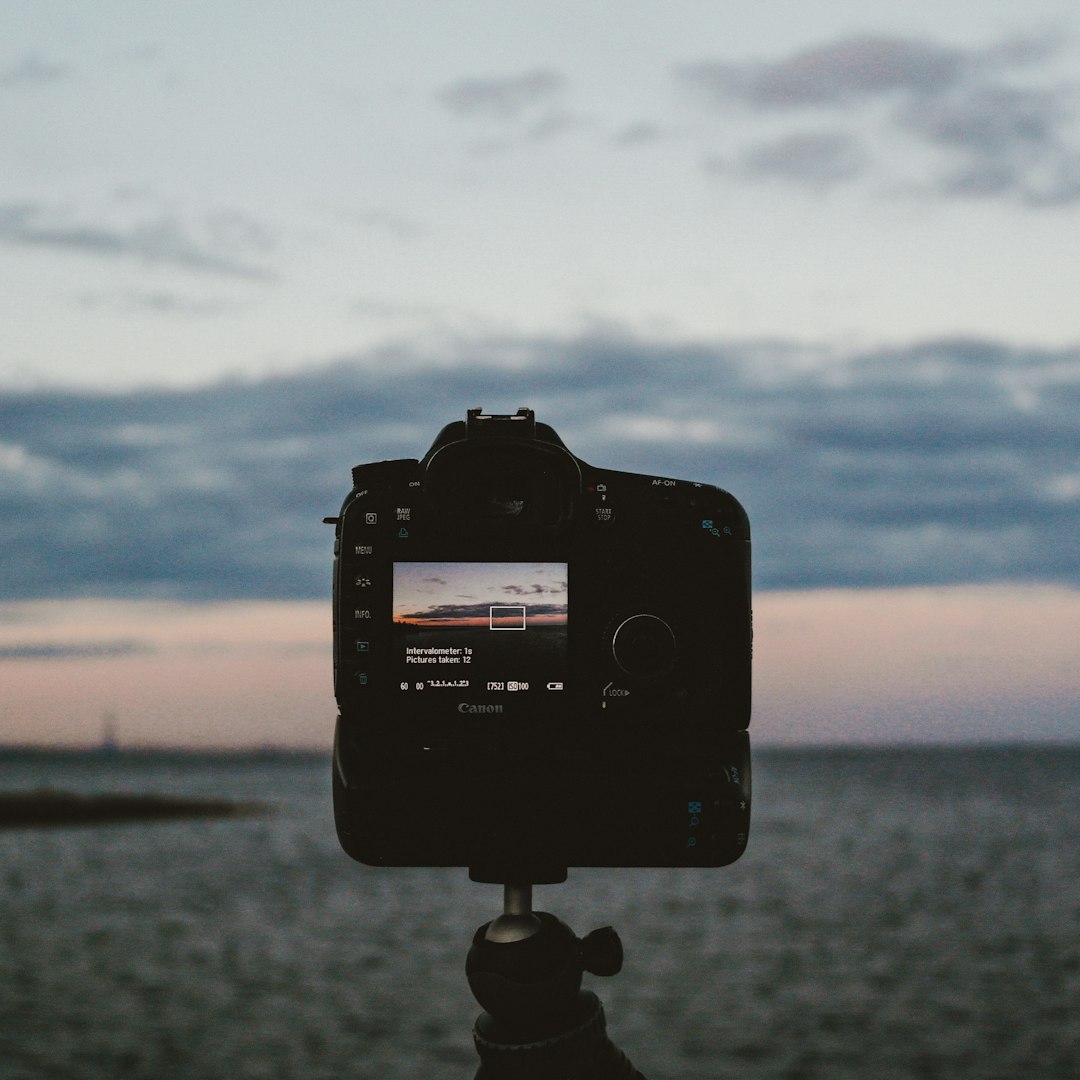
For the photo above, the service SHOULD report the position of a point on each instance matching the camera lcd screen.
(491, 628)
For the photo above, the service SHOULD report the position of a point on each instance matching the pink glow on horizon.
(227, 674)
(989, 663)
(422, 623)
(903, 665)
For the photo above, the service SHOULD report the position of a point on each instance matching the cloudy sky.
(451, 595)
(821, 255)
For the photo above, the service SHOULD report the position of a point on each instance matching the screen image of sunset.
(455, 622)
(480, 596)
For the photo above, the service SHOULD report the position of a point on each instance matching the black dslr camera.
(537, 663)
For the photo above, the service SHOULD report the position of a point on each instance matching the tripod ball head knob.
(602, 952)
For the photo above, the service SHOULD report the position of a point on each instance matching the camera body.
(537, 663)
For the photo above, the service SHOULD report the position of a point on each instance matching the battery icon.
(554, 685)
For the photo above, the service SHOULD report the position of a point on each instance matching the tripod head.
(525, 969)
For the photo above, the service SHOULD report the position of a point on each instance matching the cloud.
(1001, 140)
(32, 70)
(819, 159)
(478, 613)
(836, 73)
(949, 461)
(524, 109)
(536, 589)
(226, 242)
(506, 98)
(978, 123)
(639, 133)
(66, 651)
(448, 613)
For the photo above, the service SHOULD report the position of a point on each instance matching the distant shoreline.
(161, 753)
(286, 755)
(46, 808)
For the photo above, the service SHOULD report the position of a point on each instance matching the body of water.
(907, 913)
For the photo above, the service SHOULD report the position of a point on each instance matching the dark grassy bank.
(35, 809)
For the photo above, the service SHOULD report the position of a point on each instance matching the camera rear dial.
(644, 646)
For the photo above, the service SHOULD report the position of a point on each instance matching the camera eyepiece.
(500, 473)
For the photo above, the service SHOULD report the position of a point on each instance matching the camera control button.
(644, 645)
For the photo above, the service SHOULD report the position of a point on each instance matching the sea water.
(902, 913)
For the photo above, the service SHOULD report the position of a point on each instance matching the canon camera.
(538, 664)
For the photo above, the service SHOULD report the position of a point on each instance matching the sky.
(820, 255)
(477, 594)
